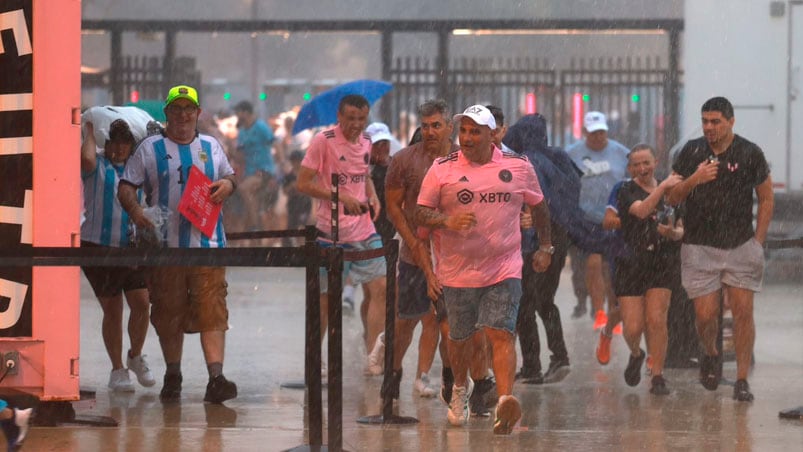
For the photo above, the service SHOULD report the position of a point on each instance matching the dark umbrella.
(322, 109)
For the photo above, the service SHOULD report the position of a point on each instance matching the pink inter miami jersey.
(490, 251)
(330, 152)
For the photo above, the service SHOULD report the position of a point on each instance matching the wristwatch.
(549, 250)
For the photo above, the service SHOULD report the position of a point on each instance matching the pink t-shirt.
(330, 152)
(490, 251)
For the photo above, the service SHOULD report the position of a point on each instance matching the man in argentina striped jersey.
(106, 224)
(183, 299)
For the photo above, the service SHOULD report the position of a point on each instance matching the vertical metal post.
(312, 364)
(392, 257)
(169, 63)
(443, 65)
(335, 377)
(672, 96)
(387, 61)
(116, 69)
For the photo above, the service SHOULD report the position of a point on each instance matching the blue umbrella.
(322, 109)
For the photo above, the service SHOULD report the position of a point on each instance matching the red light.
(530, 104)
(134, 96)
(577, 115)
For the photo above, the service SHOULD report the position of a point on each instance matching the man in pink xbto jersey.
(472, 199)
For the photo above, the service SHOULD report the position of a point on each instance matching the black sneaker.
(659, 386)
(710, 372)
(579, 311)
(394, 383)
(741, 391)
(447, 382)
(633, 370)
(218, 390)
(530, 378)
(171, 389)
(484, 391)
(558, 369)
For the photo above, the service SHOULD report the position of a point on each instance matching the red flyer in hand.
(196, 205)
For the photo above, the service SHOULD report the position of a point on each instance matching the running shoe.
(422, 387)
(633, 370)
(741, 391)
(558, 370)
(119, 381)
(659, 386)
(141, 370)
(508, 413)
(530, 378)
(579, 311)
(459, 412)
(484, 390)
(171, 388)
(600, 320)
(375, 364)
(604, 348)
(219, 389)
(710, 372)
(16, 428)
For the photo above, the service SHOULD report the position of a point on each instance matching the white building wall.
(734, 48)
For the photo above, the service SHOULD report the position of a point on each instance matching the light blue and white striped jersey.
(106, 222)
(161, 167)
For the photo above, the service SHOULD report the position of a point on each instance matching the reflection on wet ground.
(592, 409)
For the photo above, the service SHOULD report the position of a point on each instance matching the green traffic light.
(635, 98)
(307, 96)
(586, 97)
(226, 95)
(263, 96)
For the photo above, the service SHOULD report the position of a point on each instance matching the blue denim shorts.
(360, 271)
(413, 300)
(469, 309)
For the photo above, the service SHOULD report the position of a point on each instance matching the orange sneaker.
(617, 330)
(600, 320)
(604, 349)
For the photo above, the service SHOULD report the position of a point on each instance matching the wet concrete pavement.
(592, 409)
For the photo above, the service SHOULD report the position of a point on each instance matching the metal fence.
(632, 92)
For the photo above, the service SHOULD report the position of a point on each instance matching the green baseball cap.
(182, 92)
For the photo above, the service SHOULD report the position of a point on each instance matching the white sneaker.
(119, 381)
(421, 386)
(140, 368)
(375, 364)
(21, 418)
(459, 413)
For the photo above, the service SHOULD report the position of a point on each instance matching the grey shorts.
(360, 272)
(704, 269)
(469, 309)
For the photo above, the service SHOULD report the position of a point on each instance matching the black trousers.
(538, 295)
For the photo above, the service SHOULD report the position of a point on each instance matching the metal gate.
(631, 92)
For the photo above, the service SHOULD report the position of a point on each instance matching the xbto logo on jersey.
(343, 179)
(495, 197)
(465, 196)
(505, 175)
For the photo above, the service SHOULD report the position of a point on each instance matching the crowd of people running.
(487, 214)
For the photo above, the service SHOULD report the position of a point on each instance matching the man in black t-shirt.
(720, 248)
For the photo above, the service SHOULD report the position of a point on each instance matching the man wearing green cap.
(184, 299)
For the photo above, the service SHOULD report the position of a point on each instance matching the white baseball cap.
(479, 114)
(378, 131)
(595, 120)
